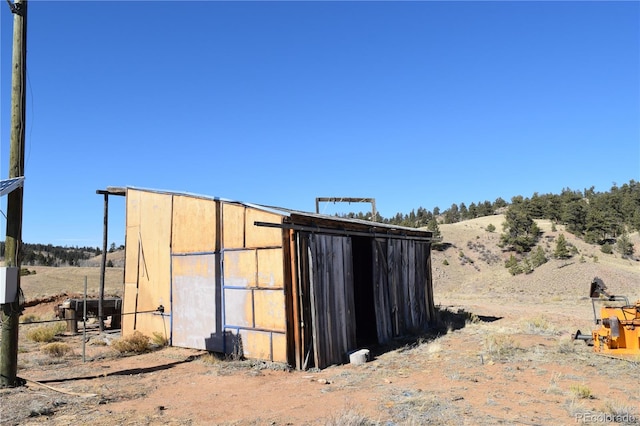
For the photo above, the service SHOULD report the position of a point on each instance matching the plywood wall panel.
(155, 266)
(271, 268)
(195, 303)
(128, 306)
(238, 308)
(240, 268)
(269, 310)
(150, 323)
(133, 207)
(255, 344)
(279, 347)
(233, 217)
(194, 225)
(132, 235)
(148, 256)
(260, 236)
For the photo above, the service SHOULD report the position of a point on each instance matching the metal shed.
(270, 283)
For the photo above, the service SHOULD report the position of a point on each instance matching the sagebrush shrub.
(45, 334)
(56, 349)
(136, 343)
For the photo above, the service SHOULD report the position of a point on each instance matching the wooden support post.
(72, 321)
(10, 314)
(103, 265)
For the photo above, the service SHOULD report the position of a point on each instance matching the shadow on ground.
(446, 322)
(128, 372)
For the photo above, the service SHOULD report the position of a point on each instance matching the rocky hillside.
(472, 267)
(116, 258)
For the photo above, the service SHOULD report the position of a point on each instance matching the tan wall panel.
(131, 255)
(279, 344)
(132, 213)
(155, 262)
(269, 310)
(148, 258)
(256, 344)
(233, 225)
(240, 268)
(128, 305)
(270, 268)
(195, 303)
(238, 307)
(261, 236)
(194, 225)
(148, 324)
(194, 266)
(133, 207)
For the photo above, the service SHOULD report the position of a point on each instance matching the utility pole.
(11, 311)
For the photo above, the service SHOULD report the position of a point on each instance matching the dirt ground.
(502, 353)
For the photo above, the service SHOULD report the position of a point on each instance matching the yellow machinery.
(619, 323)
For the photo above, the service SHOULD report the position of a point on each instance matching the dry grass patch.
(56, 349)
(581, 391)
(411, 407)
(46, 334)
(349, 417)
(27, 319)
(553, 388)
(500, 346)
(159, 339)
(136, 343)
(621, 412)
(539, 325)
(566, 346)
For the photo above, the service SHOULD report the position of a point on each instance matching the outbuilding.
(267, 282)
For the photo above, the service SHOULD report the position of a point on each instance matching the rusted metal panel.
(269, 310)
(196, 303)
(194, 225)
(271, 268)
(233, 225)
(240, 268)
(238, 308)
(259, 236)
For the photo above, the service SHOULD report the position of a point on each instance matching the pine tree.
(538, 257)
(433, 227)
(624, 246)
(520, 230)
(561, 251)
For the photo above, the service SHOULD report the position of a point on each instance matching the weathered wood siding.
(403, 288)
(400, 282)
(332, 304)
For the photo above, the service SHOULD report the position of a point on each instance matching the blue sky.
(416, 104)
